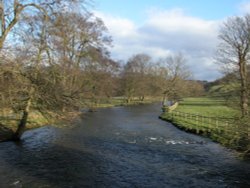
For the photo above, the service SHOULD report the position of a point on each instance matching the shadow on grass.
(5, 133)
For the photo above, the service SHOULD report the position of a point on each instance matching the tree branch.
(18, 9)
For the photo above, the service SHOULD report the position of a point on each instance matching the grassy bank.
(36, 119)
(214, 107)
(212, 118)
(9, 121)
(118, 101)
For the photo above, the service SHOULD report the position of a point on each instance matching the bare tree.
(11, 12)
(136, 76)
(10, 16)
(233, 53)
(48, 60)
(177, 73)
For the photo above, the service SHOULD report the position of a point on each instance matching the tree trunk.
(142, 98)
(2, 23)
(128, 100)
(165, 99)
(1, 44)
(22, 124)
(244, 90)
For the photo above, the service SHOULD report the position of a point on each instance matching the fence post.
(209, 123)
(197, 124)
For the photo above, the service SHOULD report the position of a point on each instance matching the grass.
(36, 119)
(212, 107)
(210, 117)
(119, 101)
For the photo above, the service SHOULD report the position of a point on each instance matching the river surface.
(119, 147)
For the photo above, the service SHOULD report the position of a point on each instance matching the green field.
(202, 114)
(211, 117)
(213, 107)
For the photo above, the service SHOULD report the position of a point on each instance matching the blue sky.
(165, 27)
(135, 9)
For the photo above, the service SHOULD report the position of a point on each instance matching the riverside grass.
(226, 127)
(36, 119)
(203, 106)
(206, 106)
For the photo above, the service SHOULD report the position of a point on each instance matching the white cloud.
(175, 20)
(205, 68)
(244, 7)
(118, 27)
(164, 32)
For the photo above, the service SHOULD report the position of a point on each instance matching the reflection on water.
(119, 147)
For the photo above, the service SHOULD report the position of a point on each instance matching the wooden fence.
(226, 129)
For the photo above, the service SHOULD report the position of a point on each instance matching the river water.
(119, 147)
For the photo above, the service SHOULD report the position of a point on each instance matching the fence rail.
(227, 129)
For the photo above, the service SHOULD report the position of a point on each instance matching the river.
(119, 147)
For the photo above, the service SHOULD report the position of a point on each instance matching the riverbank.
(211, 118)
(9, 121)
(119, 101)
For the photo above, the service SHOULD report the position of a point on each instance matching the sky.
(161, 28)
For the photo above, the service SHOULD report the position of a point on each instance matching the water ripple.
(119, 147)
